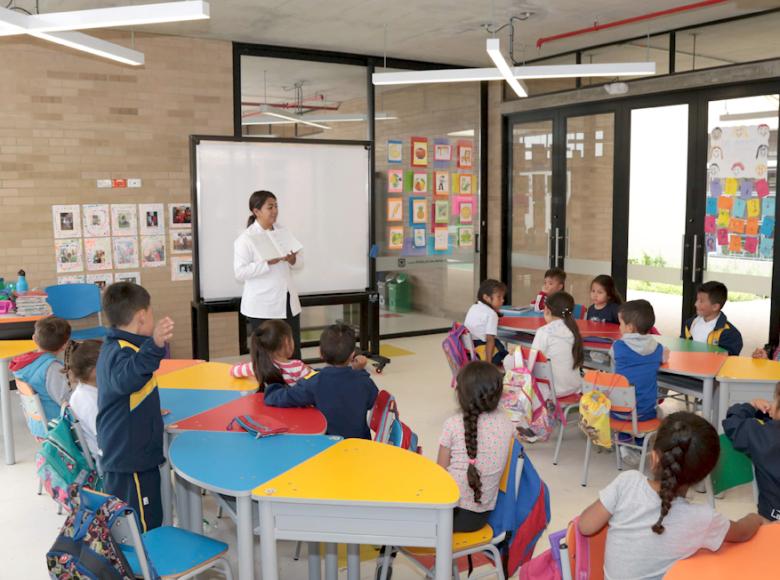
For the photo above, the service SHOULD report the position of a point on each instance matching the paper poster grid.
(97, 254)
(151, 219)
(181, 241)
(124, 219)
(134, 277)
(125, 252)
(66, 220)
(179, 215)
(97, 220)
(152, 251)
(100, 280)
(69, 255)
(181, 268)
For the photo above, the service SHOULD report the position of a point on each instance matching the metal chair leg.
(297, 555)
(40, 486)
(618, 458)
(560, 434)
(588, 445)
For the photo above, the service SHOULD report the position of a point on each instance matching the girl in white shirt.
(482, 320)
(560, 341)
(269, 292)
(80, 368)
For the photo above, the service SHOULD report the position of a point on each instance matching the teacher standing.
(269, 292)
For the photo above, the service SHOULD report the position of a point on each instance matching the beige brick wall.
(68, 119)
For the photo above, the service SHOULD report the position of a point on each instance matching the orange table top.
(754, 559)
(169, 365)
(588, 328)
(13, 319)
(697, 364)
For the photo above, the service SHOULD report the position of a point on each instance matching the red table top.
(701, 364)
(308, 421)
(588, 328)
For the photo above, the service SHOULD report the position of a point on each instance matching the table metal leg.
(353, 562)
(331, 561)
(5, 405)
(246, 565)
(268, 562)
(706, 398)
(166, 490)
(723, 403)
(444, 545)
(315, 561)
(193, 519)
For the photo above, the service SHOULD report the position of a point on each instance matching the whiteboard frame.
(195, 140)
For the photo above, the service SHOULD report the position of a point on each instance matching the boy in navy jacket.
(129, 420)
(754, 428)
(711, 325)
(342, 393)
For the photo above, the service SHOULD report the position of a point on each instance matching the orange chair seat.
(573, 399)
(460, 541)
(642, 426)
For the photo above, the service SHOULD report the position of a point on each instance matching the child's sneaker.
(630, 457)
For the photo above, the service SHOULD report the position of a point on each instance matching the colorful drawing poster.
(731, 185)
(465, 182)
(751, 245)
(745, 188)
(66, 220)
(100, 280)
(395, 181)
(712, 206)
(753, 207)
(710, 243)
(152, 220)
(69, 255)
(709, 224)
(98, 254)
(441, 239)
(77, 279)
(739, 208)
(442, 152)
(395, 209)
(181, 241)
(395, 238)
(441, 211)
(740, 151)
(180, 215)
(762, 188)
(723, 236)
(395, 151)
(441, 181)
(737, 225)
(766, 247)
(419, 237)
(752, 226)
(725, 203)
(716, 188)
(463, 207)
(466, 237)
(152, 251)
(134, 277)
(768, 206)
(97, 220)
(418, 210)
(735, 243)
(124, 219)
(125, 252)
(768, 227)
(419, 152)
(181, 268)
(420, 182)
(723, 218)
(465, 154)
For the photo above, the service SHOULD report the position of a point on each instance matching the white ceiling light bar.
(335, 118)
(494, 52)
(280, 114)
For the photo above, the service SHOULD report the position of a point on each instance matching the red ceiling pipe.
(596, 27)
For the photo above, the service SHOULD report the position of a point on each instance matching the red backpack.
(388, 427)
(455, 350)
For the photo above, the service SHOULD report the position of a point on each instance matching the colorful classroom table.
(233, 464)
(359, 491)
(8, 350)
(754, 559)
(742, 379)
(202, 375)
(14, 327)
(588, 328)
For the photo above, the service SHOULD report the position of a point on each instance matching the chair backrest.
(589, 563)
(580, 311)
(34, 415)
(458, 347)
(81, 439)
(616, 388)
(542, 370)
(74, 301)
(126, 533)
(733, 469)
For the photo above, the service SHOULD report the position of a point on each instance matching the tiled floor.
(29, 523)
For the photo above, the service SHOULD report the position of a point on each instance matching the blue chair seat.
(174, 551)
(98, 332)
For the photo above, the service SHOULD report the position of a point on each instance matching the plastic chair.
(32, 408)
(579, 312)
(596, 545)
(733, 469)
(622, 396)
(74, 302)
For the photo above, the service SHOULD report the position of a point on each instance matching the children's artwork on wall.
(395, 151)
(69, 256)
(753, 207)
(762, 187)
(442, 152)
(419, 152)
(463, 207)
(152, 251)
(709, 224)
(181, 241)
(740, 151)
(465, 154)
(441, 238)
(768, 206)
(752, 226)
(716, 188)
(441, 180)
(766, 247)
(181, 268)
(441, 211)
(768, 227)
(465, 182)
(745, 188)
(126, 252)
(723, 236)
(152, 221)
(731, 186)
(712, 206)
(418, 237)
(737, 225)
(100, 280)
(97, 220)
(725, 203)
(420, 182)
(67, 221)
(124, 219)
(723, 218)
(751, 244)
(180, 215)
(710, 242)
(739, 208)
(98, 254)
(134, 277)
(395, 209)
(735, 243)
(77, 279)
(395, 181)
(395, 239)
(418, 210)
(466, 237)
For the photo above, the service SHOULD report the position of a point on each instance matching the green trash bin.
(399, 293)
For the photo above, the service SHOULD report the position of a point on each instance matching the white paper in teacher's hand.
(275, 244)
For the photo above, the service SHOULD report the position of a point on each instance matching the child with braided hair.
(475, 443)
(651, 524)
(81, 368)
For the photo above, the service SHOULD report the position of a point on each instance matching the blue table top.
(183, 403)
(236, 463)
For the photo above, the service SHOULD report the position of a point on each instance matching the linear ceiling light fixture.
(280, 114)
(261, 119)
(58, 27)
(494, 52)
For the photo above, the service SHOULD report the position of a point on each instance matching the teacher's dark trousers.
(293, 321)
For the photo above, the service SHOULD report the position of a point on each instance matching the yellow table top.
(365, 472)
(749, 369)
(207, 375)
(12, 348)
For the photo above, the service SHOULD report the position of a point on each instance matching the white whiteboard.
(323, 197)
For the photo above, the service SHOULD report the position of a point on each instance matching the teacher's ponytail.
(256, 201)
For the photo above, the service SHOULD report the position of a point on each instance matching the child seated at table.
(343, 393)
(560, 341)
(754, 428)
(482, 321)
(554, 281)
(81, 368)
(770, 351)
(606, 300)
(710, 325)
(651, 524)
(41, 369)
(271, 347)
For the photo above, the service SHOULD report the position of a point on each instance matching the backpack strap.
(254, 427)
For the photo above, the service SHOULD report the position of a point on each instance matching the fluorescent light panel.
(494, 52)
(335, 118)
(280, 114)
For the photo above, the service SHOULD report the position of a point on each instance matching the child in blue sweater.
(340, 391)
(129, 420)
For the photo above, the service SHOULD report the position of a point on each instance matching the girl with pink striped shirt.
(271, 347)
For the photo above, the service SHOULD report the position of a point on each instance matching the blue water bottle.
(21, 283)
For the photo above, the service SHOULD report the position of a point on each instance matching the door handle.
(557, 246)
(682, 258)
(693, 261)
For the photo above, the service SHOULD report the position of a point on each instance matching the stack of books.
(32, 303)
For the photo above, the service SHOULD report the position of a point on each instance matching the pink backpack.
(455, 349)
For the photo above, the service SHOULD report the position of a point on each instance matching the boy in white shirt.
(482, 321)
(81, 368)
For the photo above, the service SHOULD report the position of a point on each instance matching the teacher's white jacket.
(265, 287)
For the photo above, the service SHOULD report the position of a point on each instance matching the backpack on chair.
(455, 350)
(387, 426)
